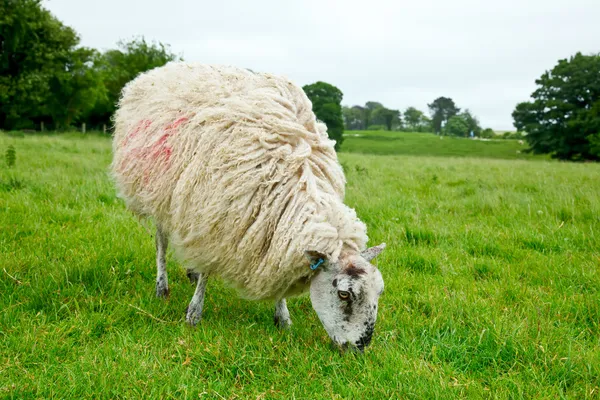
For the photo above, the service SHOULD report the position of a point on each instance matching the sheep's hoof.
(192, 317)
(193, 277)
(162, 290)
(282, 323)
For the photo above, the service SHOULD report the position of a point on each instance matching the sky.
(484, 54)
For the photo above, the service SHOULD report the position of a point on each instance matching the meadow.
(492, 277)
(419, 144)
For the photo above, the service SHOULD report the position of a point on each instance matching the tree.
(35, 47)
(376, 114)
(373, 113)
(456, 126)
(442, 109)
(327, 105)
(121, 65)
(595, 144)
(364, 114)
(76, 89)
(367, 111)
(373, 105)
(353, 117)
(416, 120)
(393, 119)
(387, 117)
(426, 125)
(472, 123)
(564, 117)
(45, 76)
(413, 117)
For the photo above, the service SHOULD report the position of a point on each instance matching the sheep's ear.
(372, 252)
(315, 258)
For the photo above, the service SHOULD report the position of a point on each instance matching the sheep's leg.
(162, 280)
(282, 315)
(194, 311)
(193, 276)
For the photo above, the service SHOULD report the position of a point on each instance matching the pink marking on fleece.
(176, 124)
(160, 150)
(141, 126)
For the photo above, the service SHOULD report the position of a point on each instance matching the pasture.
(419, 144)
(492, 277)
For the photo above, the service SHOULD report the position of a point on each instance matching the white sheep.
(236, 171)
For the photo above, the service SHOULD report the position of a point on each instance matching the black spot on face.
(354, 272)
(347, 309)
(351, 292)
(334, 283)
(366, 337)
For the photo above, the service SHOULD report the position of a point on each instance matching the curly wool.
(236, 169)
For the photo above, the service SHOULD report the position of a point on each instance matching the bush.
(456, 126)
(488, 133)
(517, 135)
(594, 141)
(11, 156)
(376, 128)
(512, 135)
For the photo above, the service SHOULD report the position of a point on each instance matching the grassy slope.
(420, 144)
(492, 288)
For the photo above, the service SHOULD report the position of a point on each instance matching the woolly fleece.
(234, 166)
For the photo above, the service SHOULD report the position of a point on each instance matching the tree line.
(48, 79)
(562, 119)
(445, 118)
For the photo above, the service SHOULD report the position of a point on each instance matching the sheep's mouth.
(347, 347)
(365, 339)
(358, 346)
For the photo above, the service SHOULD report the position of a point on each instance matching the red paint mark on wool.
(160, 152)
(160, 148)
(141, 126)
(176, 123)
(153, 158)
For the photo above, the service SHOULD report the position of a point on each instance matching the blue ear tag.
(316, 265)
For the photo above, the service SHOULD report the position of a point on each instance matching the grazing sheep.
(244, 182)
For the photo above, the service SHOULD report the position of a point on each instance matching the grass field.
(426, 144)
(492, 284)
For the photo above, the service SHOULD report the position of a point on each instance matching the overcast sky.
(485, 54)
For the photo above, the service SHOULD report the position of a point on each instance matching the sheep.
(242, 180)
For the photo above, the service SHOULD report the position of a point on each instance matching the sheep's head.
(345, 294)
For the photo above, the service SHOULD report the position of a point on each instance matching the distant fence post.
(83, 127)
(42, 126)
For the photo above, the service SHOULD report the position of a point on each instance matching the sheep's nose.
(364, 340)
(344, 347)
(341, 347)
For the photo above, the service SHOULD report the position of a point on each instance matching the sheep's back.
(233, 164)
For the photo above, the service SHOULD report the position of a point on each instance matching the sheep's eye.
(342, 294)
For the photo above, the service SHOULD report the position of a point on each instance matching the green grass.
(492, 278)
(421, 144)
